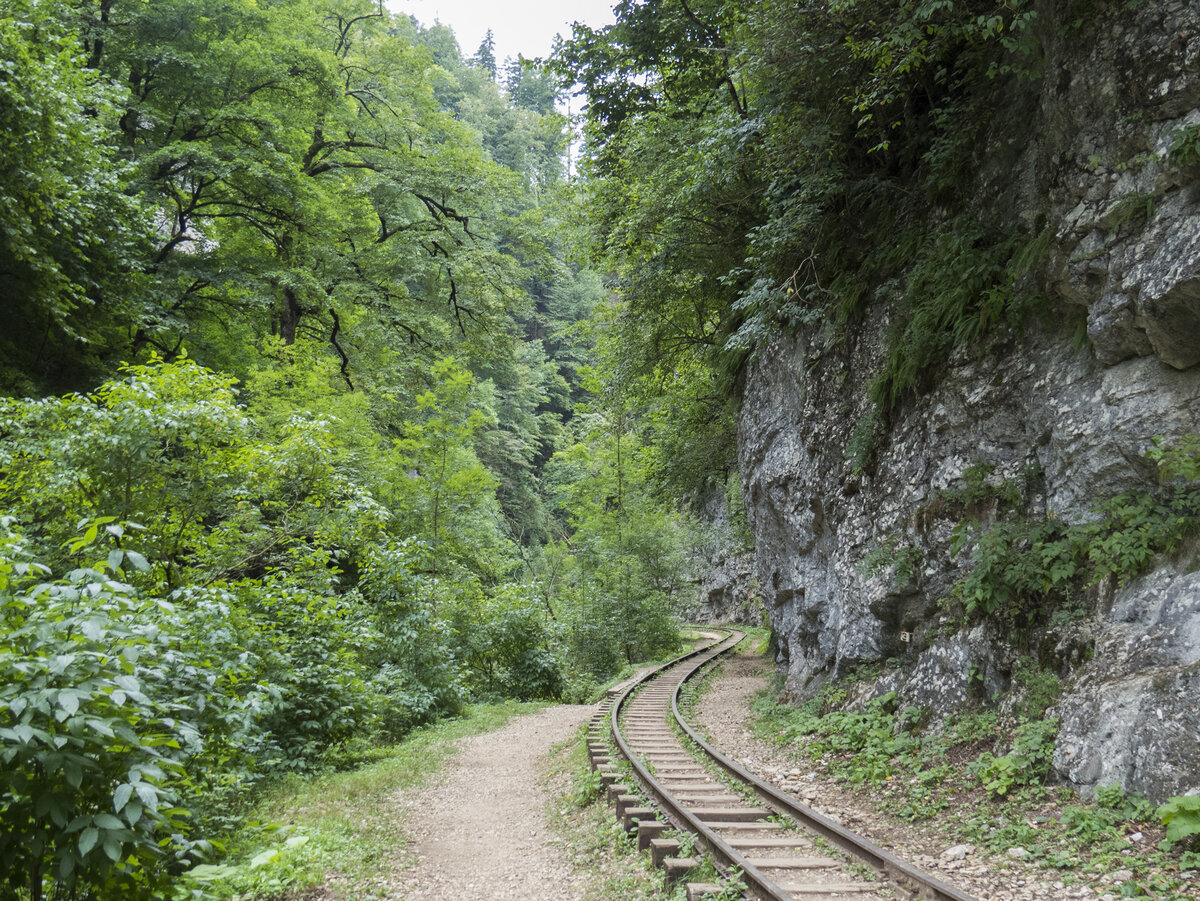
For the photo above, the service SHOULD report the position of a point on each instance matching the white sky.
(520, 26)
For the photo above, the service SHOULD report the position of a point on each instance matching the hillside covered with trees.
(309, 435)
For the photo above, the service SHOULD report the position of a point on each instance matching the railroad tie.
(777, 863)
(677, 868)
(810, 890)
(767, 842)
(661, 849)
(730, 814)
(647, 831)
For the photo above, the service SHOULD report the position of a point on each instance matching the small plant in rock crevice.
(1022, 570)
(904, 560)
(1185, 146)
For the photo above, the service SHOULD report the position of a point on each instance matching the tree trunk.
(289, 317)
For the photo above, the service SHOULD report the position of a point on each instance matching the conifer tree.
(485, 56)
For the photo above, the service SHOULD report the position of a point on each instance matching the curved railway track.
(745, 824)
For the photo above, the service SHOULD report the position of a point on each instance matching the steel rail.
(724, 853)
(900, 873)
(897, 870)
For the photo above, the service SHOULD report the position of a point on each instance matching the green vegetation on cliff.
(759, 166)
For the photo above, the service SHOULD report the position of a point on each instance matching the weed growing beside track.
(983, 782)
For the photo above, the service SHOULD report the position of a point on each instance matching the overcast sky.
(520, 26)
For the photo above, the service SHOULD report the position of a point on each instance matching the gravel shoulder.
(724, 711)
(480, 832)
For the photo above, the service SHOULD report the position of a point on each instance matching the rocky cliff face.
(728, 591)
(726, 577)
(853, 559)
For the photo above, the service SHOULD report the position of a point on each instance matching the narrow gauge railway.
(771, 838)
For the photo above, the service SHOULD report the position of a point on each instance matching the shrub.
(1022, 568)
(90, 756)
(508, 645)
(1027, 763)
(418, 672)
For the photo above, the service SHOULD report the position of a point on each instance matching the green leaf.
(133, 812)
(88, 839)
(139, 562)
(93, 628)
(148, 794)
(1181, 816)
(112, 848)
(129, 683)
(69, 702)
(121, 796)
(108, 821)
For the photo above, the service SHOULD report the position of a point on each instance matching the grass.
(592, 837)
(335, 836)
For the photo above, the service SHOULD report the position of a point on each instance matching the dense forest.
(312, 430)
(332, 402)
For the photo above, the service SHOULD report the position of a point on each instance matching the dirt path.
(480, 832)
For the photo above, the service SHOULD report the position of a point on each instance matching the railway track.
(747, 827)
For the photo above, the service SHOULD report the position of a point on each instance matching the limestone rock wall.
(1125, 252)
(728, 592)
(726, 574)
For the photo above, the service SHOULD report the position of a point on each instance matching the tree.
(626, 549)
(447, 496)
(70, 235)
(306, 178)
(485, 56)
(531, 86)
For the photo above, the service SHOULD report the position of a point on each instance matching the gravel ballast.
(724, 712)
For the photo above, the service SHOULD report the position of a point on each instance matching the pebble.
(1018, 853)
(958, 852)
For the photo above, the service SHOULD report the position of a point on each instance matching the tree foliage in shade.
(753, 167)
(71, 236)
